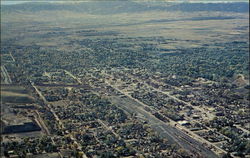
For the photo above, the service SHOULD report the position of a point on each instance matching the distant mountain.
(240, 7)
(115, 7)
(86, 7)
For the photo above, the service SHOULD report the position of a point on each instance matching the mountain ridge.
(116, 7)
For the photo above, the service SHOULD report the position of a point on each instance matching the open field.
(15, 94)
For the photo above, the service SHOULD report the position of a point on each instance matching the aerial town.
(107, 94)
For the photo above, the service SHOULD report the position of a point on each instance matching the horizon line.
(15, 2)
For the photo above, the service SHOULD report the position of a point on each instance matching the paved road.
(6, 76)
(56, 117)
(41, 122)
(12, 57)
(64, 85)
(74, 77)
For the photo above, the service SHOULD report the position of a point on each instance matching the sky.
(8, 2)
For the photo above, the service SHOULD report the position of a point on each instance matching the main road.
(56, 117)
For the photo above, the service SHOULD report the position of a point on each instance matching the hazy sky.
(7, 2)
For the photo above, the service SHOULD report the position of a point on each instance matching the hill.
(116, 7)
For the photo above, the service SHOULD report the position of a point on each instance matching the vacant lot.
(15, 94)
